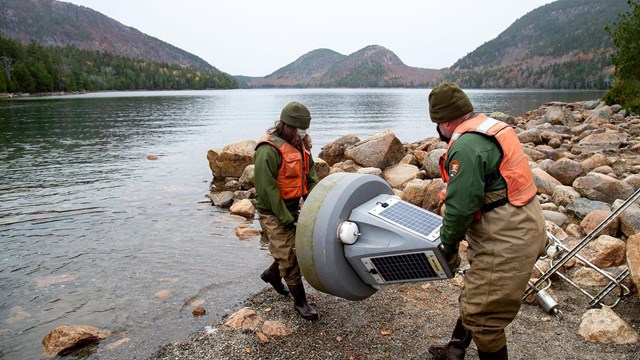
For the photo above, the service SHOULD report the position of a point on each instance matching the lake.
(92, 233)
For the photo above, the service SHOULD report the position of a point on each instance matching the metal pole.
(583, 243)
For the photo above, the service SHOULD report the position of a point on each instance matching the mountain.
(59, 24)
(372, 66)
(562, 44)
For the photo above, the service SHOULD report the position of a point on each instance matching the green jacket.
(267, 161)
(475, 157)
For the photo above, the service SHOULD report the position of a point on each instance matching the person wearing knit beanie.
(448, 102)
(296, 115)
(490, 202)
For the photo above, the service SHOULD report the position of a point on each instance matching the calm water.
(90, 229)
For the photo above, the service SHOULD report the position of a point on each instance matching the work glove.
(452, 257)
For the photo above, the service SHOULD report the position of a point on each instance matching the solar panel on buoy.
(409, 217)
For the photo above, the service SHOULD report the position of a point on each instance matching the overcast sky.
(257, 37)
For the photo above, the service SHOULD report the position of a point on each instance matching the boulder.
(629, 219)
(565, 170)
(244, 319)
(599, 116)
(605, 251)
(564, 195)
(556, 230)
(601, 187)
(581, 207)
(432, 198)
(322, 168)
(559, 116)
(605, 327)
(334, 152)
(409, 159)
(606, 141)
(66, 339)
(530, 136)
(243, 208)
(232, 159)
(594, 219)
(248, 178)
(222, 199)
(633, 259)
(415, 191)
(632, 180)
(593, 162)
(399, 175)
(545, 183)
(380, 150)
(555, 217)
(432, 163)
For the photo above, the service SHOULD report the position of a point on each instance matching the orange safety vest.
(514, 167)
(292, 174)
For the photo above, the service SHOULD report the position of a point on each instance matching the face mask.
(302, 133)
(441, 135)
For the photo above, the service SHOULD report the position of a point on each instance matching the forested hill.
(56, 23)
(559, 45)
(372, 66)
(51, 46)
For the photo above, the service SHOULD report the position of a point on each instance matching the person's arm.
(465, 192)
(267, 161)
(312, 176)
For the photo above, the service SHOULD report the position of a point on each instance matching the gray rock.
(222, 199)
(601, 187)
(555, 217)
(629, 219)
(581, 207)
(248, 178)
(503, 117)
(559, 116)
(545, 183)
(591, 105)
(565, 170)
(607, 141)
(530, 136)
(564, 195)
(432, 163)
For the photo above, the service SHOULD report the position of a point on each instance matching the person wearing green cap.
(491, 201)
(284, 174)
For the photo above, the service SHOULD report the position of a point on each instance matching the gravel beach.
(400, 322)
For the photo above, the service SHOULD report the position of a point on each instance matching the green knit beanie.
(296, 115)
(448, 102)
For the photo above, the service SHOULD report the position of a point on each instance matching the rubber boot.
(457, 346)
(498, 355)
(300, 302)
(272, 276)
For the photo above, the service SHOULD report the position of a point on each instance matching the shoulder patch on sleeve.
(454, 167)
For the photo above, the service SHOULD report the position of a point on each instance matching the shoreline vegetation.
(585, 157)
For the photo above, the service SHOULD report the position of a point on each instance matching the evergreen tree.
(626, 86)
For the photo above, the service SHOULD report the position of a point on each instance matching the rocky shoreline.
(585, 157)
